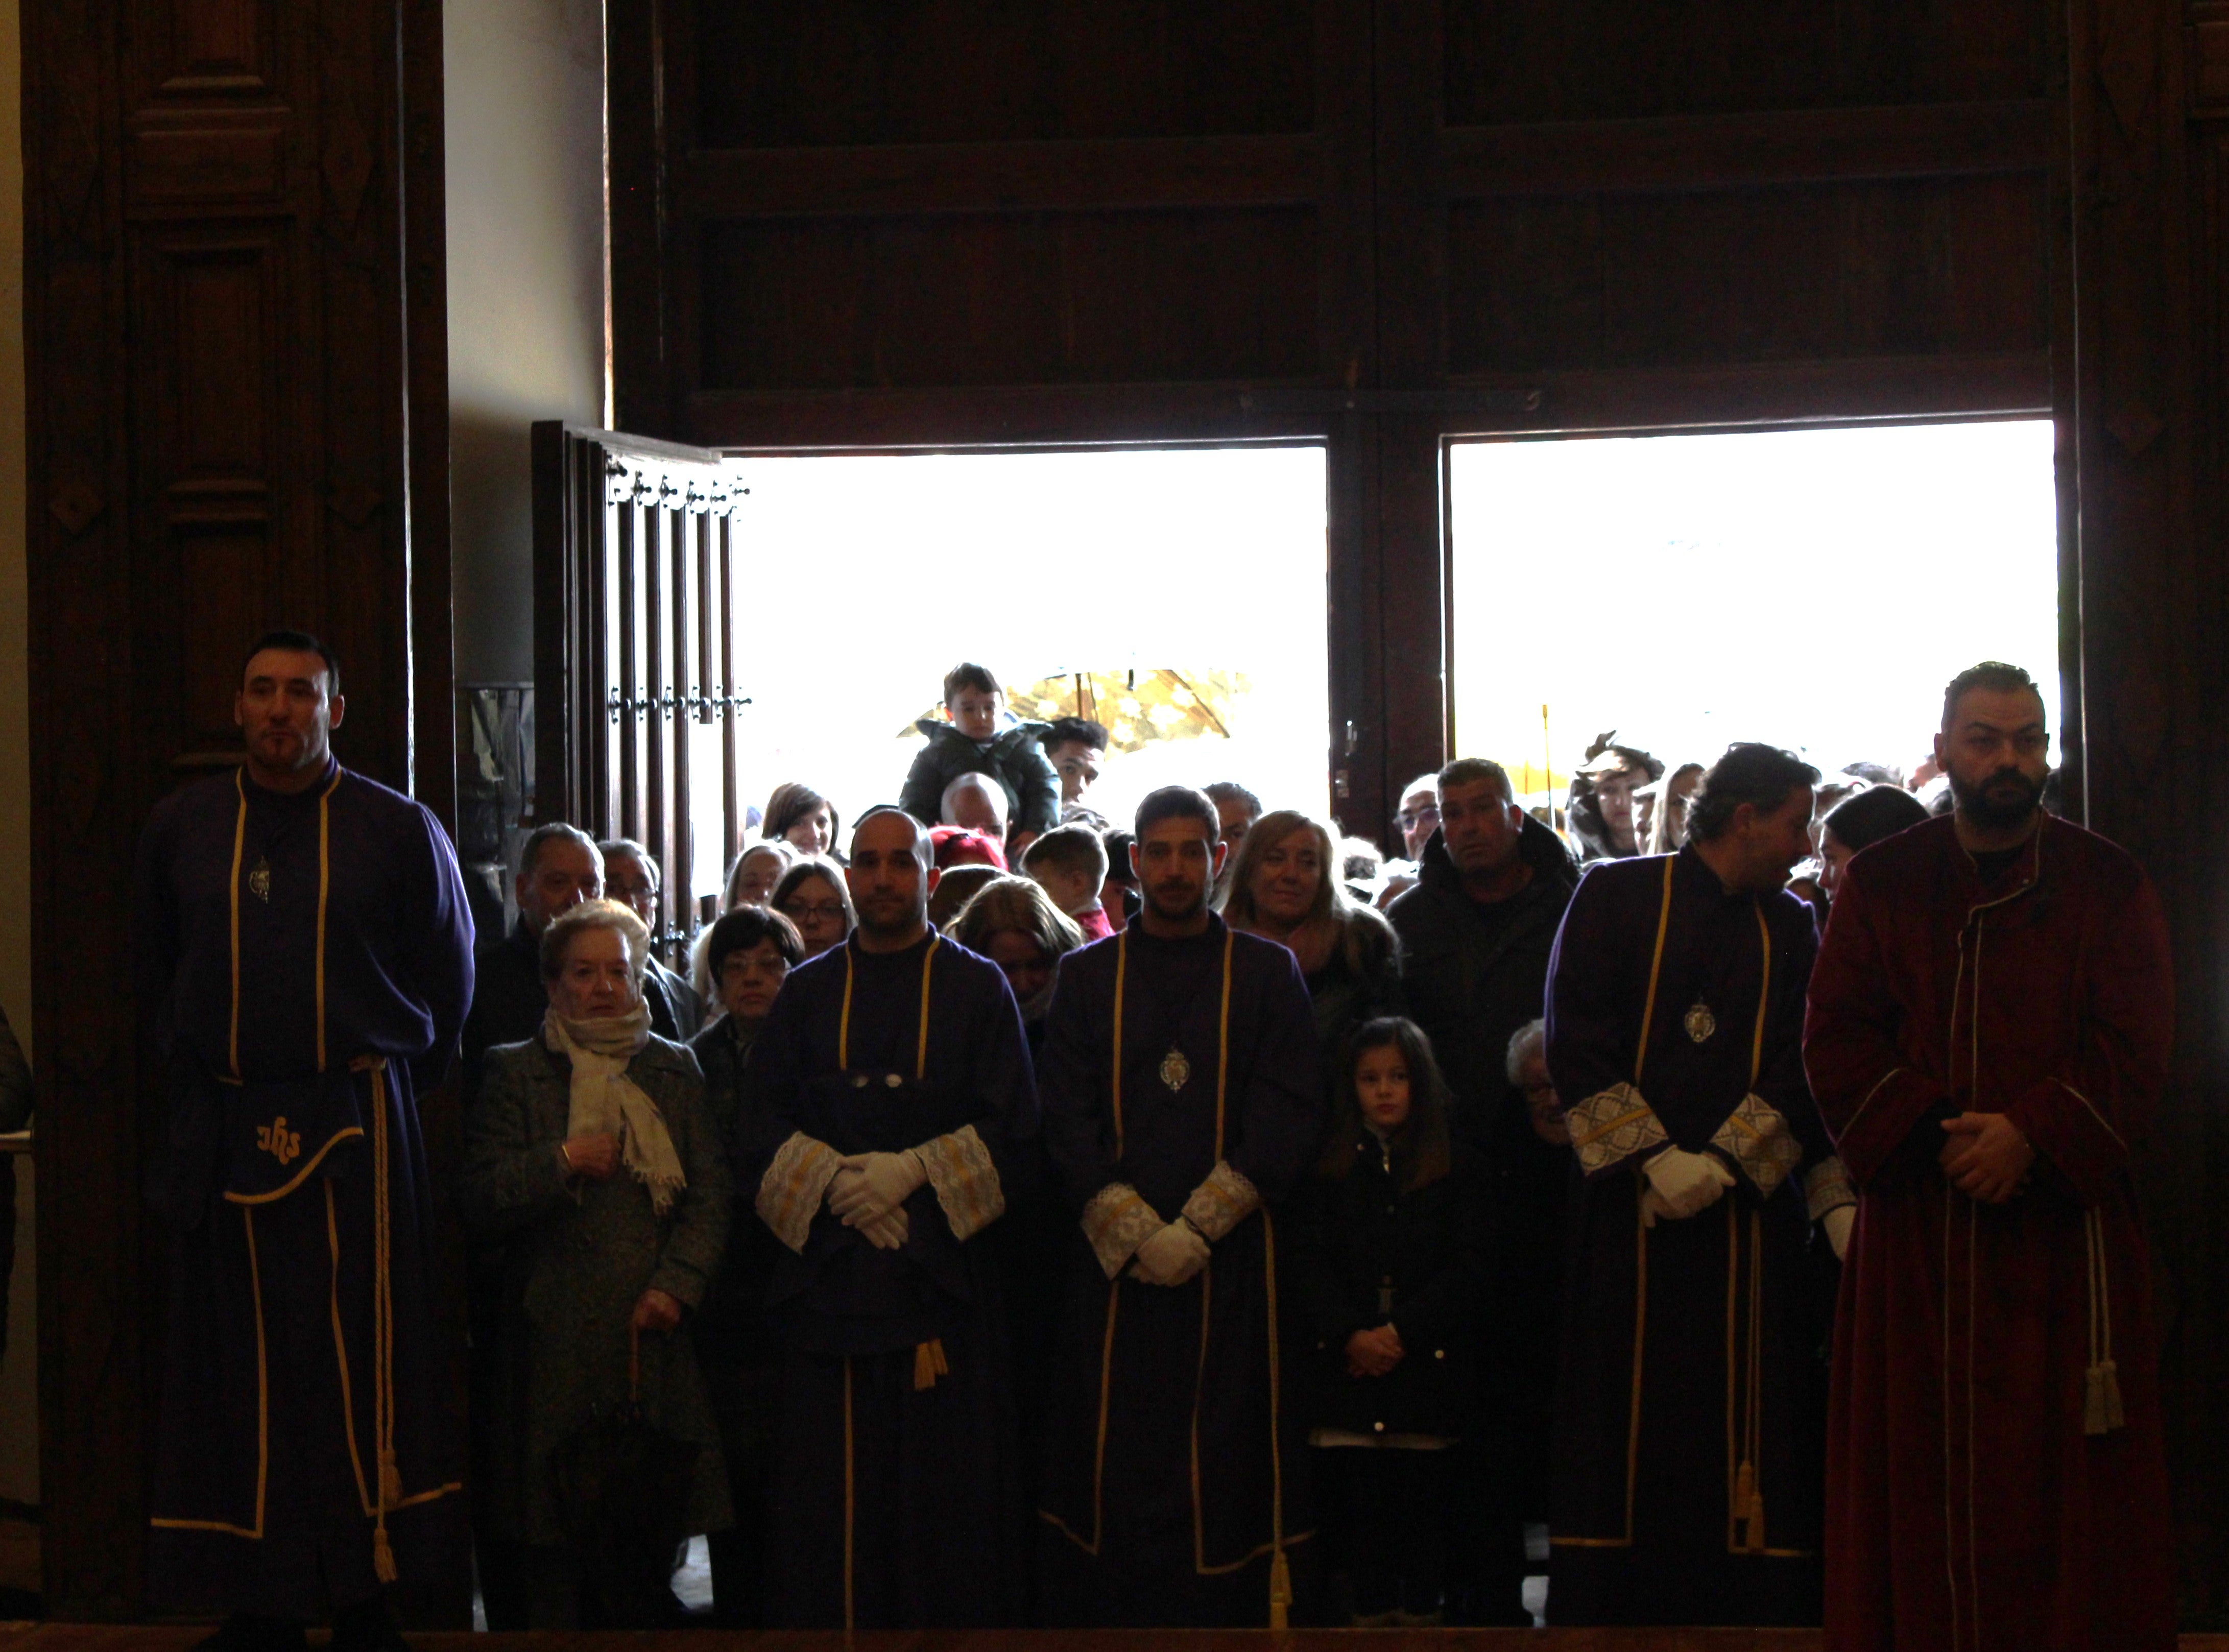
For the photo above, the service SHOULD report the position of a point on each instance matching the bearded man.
(1989, 1026)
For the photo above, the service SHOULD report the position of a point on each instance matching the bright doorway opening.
(1176, 594)
(1814, 588)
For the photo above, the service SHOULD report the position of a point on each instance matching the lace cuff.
(1221, 1203)
(1611, 1127)
(1827, 1186)
(965, 1181)
(790, 1191)
(1117, 1221)
(1756, 1138)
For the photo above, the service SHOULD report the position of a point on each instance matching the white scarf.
(606, 1102)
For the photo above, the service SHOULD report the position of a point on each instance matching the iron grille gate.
(637, 572)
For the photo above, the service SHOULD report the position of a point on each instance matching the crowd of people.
(1004, 1216)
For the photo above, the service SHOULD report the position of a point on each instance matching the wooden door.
(638, 560)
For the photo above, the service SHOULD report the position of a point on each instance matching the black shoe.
(368, 1626)
(243, 1632)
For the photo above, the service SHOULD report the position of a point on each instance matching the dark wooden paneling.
(235, 371)
(1082, 175)
(1602, 60)
(1010, 298)
(1851, 270)
(960, 71)
(1722, 152)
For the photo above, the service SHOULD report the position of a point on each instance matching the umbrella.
(1139, 707)
(623, 1495)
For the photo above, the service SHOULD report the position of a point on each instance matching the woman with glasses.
(812, 894)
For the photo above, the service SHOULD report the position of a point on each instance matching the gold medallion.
(1700, 1023)
(1175, 1071)
(258, 881)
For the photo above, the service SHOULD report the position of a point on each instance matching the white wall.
(526, 293)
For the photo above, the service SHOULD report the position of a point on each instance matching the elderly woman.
(1014, 924)
(751, 878)
(1285, 886)
(814, 896)
(749, 953)
(590, 1157)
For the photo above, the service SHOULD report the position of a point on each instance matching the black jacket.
(1354, 1237)
(1475, 974)
(1015, 759)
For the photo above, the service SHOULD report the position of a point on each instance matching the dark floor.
(87, 1637)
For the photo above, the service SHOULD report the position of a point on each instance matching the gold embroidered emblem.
(1175, 1071)
(258, 881)
(1700, 1022)
(281, 1143)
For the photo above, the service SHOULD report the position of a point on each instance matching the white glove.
(887, 1232)
(868, 1186)
(1682, 1183)
(1837, 1223)
(1171, 1256)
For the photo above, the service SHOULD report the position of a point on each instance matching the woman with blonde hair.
(589, 1154)
(1285, 886)
(1013, 922)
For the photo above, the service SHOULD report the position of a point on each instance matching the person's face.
(1381, 1087)
(813, 832)
(626, 879)
(750, 978)
(1418, 819)
(1615, 793)
(565, 874)
(1771, 844)
(817, 909)
(979, 808)
(1480, 827)
(1287, 876)
(1110, 899)
(1235, 818)
(974, 713)
(595, 980)
(1027, 966)
(1175, 863)
(889, 886)
(1077, 765)
(1834, 855)
(755, 878)
(1676, 798)
(1543, 1108)
(1997, 753)
(284, 712)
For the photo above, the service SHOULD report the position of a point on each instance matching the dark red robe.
(1970, 1506)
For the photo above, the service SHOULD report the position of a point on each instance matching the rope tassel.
(2101, 1399)
(929, 1364)
(2101, 1384)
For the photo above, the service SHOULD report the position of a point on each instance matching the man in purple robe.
(1690, 1405)
(884, 1105)
(1183, 1100)
(305, 960)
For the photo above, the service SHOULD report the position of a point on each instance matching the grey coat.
(577, 1255)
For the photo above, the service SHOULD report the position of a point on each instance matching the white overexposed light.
(1814, 588)
(873, 575)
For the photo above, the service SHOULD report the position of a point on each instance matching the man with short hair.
(559, 867)
(1687, 1413)
(304, 958)
(1991, 1020)
(1419, 814)
(631, 876)
(1476, 934)
(1183, 1100)
(1235, 810)
(1070, 864)
(1077, 747)
(974, 802)
(885, 1103)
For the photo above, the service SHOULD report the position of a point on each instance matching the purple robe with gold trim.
(305, 1448)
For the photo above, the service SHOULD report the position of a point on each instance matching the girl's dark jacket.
(1014, 758)
(1355, 1236)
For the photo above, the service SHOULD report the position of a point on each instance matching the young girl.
(1390, 1257)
